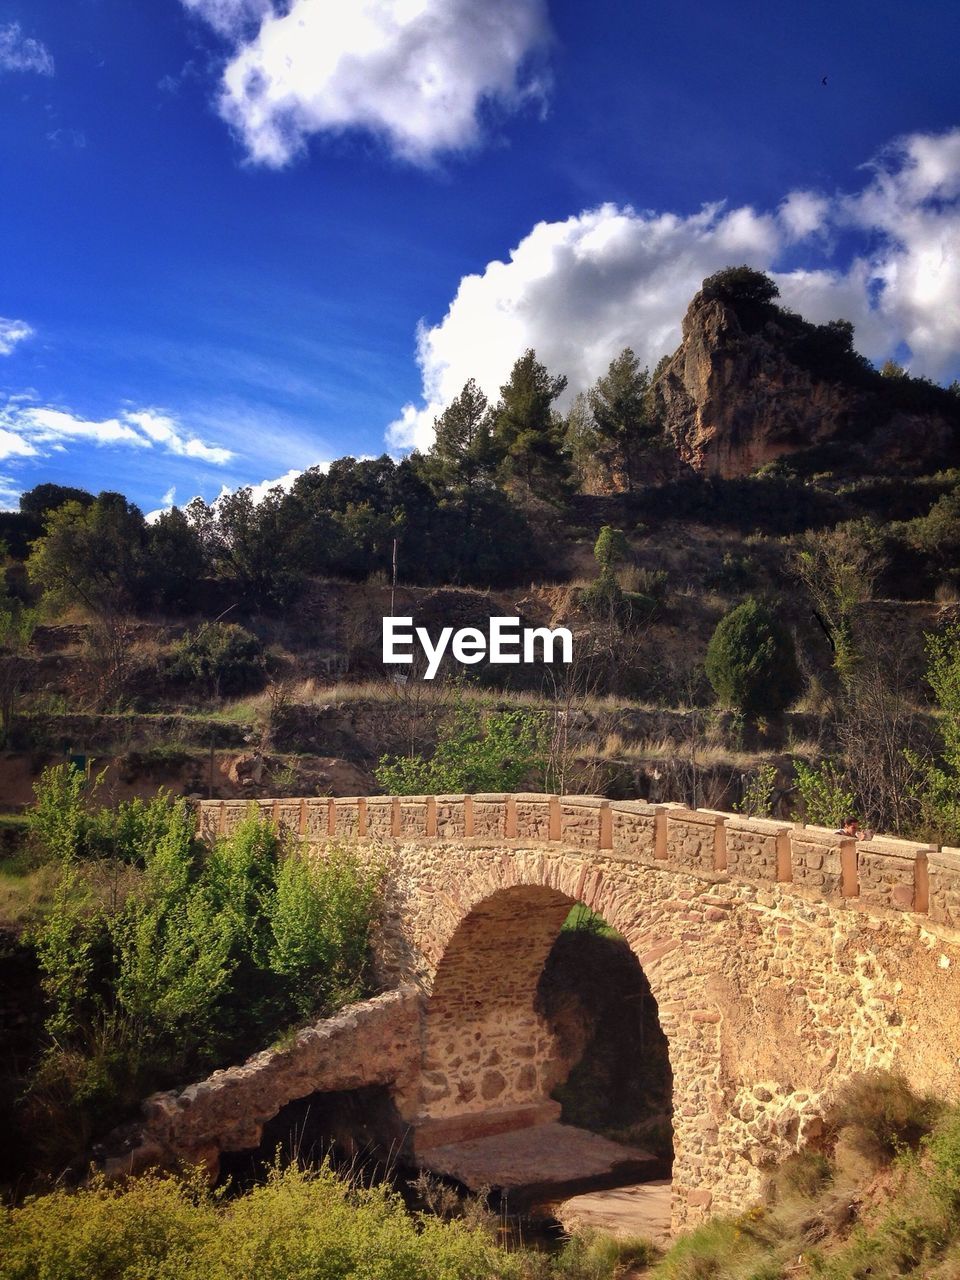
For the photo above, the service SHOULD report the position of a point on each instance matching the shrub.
(825, 797)
(611, 547)
(223, 656)
(473, 753)
(196, 956)
(297, 1225)
(757, 798)
(883, 1114)
(752, 663)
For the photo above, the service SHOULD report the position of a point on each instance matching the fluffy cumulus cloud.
(22, 53)
(414, 73)
(12, 332)
(580, 290)
(32, 431)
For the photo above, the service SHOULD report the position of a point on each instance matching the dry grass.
(708, 753)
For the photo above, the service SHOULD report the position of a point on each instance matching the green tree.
(839, 567)
(611, 548)
(93, 555)
(938, 791)
(622, 412)
(223, 656)
(752, 663)
(826, 797)
(741, 285)
(462, 451)
(529, 435)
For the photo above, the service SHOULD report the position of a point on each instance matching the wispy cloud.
(22, 53)
(415, 74)
(12, 332)
(580, 290)
(31, 431)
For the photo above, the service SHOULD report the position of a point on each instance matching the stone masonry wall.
(783, 958)
(373, 1042)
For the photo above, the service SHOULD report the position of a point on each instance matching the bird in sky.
(824, 80)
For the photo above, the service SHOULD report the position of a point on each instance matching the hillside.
(234, 648)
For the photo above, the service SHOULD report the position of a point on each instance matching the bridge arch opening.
(525, 1017)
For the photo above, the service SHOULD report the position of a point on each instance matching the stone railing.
(881, 872)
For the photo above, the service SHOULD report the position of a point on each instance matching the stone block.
(533, 816)
(413, 817)
(694, 839)
(634, 830)
(451, 817)
(380, 817)
(347, 816)
(490, 816)
(944, 871)
(316, 822)
(757, 849)
(580, 819)
(891, 871)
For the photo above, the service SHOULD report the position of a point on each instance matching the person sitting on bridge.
(851, 827)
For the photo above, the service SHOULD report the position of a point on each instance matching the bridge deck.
(544, 1161)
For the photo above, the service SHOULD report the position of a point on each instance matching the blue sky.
(240, 238)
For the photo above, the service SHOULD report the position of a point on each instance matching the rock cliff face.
(732, 399)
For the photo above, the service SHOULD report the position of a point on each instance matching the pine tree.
(528, 434)
(622, 413)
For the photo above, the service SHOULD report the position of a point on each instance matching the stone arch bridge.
(783, 959)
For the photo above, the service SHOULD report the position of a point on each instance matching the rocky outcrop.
(737, 395)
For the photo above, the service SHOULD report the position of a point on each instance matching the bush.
(752, 662)
(192, 958)
(474, 753)
(825, 797)
(883, 1115)
(298, 1225)
(225, 657)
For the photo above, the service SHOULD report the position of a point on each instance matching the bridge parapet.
(883, 872)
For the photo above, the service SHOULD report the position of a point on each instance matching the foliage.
(474, 753)
(839, 567)
(882, 1114)
(751, 662)
(623, 416)
(299, 1225)
(190, 957)
(93, 555)
(938, 790)
(528, 435)
(462, 454)
(741, 284)
(757, 798)
(611, 547)
(320, 920)
(224, 656)
(826, 799)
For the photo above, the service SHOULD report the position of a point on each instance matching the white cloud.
(162, 430)
(12, 332)
(580, 290)
(230, 17)
(9, 494)
(414, 73)
(21, 53)
(27, 430)
(257, 491)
